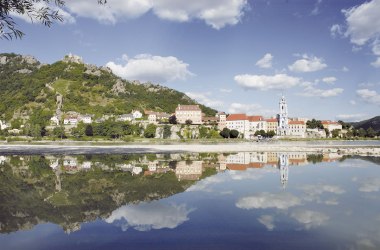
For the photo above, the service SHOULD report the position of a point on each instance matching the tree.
(271, 133)
(173, 119)
(42, 11)
(327, 131)
(150, 131)
(189, 122)
(260, 132)
(89, 131)
(225, 133)
(314, 124)
(59, 132)
(335, 133)
(167, 132)
(370, 132)
(234, 133)
(362, 132)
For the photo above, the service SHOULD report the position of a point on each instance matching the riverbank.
(344, 148)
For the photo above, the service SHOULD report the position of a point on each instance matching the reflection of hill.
(29, 193)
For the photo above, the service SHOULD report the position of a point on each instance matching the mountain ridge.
(28, 86)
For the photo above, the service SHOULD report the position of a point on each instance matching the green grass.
(62, 85)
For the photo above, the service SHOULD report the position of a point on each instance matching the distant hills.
(373, 123)
(28, 86)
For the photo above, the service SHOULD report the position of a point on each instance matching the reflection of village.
(188, 166)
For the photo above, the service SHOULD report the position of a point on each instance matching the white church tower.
(283, 128)
(284, 169)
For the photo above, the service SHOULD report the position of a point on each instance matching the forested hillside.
(29, 89)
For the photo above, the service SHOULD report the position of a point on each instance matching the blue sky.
(233, 55)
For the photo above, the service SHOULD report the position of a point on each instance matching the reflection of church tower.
(284, 169)
(283, 128)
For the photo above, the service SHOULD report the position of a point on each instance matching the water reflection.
(274, 195)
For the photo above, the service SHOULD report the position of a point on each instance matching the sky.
(237, 56)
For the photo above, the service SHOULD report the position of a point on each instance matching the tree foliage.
(45, 12)
(225, 133)
(150, 131)
(314, 124)
(234, 133)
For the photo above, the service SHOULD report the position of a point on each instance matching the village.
(246, 126)
(189, 167)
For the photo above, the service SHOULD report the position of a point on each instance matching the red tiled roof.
(238, 167)
(330, 122)
(255, 118)
(271, 120)
(296, 122)
(188, 107)
(237, 117)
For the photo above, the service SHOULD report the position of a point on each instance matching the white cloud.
(314, 192)
(376, 63)
(112, 12)
(267, 221)
(352, 102)
(345, 69)
(336, 30)
(329, 80)
(370, 96)
(268, 200)
(204, 98)
(265, 82)
(309, 218)
(323, 93)
(308, 64)
(147, 216)
(363, 22)
(145, 67)
(351, 117)
(249, 109)
(265, 62)
(215, 13)
(370, 185)
(315, 11)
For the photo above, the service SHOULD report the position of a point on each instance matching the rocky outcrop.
(29, 59)
(70, 58)
(118, 87)
(24, 71)
(3, 60)
(92, 70)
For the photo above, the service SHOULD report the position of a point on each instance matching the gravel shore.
(342, 148)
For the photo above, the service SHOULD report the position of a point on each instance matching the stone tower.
(283, 128)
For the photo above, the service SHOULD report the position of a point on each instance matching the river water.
(190, 201)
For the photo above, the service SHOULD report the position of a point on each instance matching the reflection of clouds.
(268, 200)
(365, 244)
(353, 164)
(250, 174)
(147, 216)
(205, 185)
(267, 221)
(313, 193)
(370, 185)
(309, 218)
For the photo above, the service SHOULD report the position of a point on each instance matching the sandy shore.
(343, 148)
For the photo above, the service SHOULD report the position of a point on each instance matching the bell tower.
(283, 128)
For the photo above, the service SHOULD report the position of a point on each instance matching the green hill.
(373, 123)
(27, 87)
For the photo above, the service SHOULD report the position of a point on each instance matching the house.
(136, 114)
(222, 119)
(188, 112)
(272, 124)
(155, 117)
(297, 128)
(86, 165)
(54, 163)
(186, 171)
(54, 120)
(125, 118)
(210, 120)
(238, 122)
(87, 119)
(70, 120)
(136, 170)
(3, 125)
(331, 125)
(256, 123)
